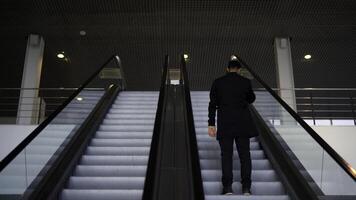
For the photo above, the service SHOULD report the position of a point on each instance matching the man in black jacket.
(231, 95)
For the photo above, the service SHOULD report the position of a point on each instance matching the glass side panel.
(315, 162)
(33, 162)
(24, 172)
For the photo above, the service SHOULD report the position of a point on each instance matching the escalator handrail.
(20, 147)
(148, 190)
(197, 178)
(338, 159)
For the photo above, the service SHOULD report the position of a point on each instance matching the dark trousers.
(243, 149)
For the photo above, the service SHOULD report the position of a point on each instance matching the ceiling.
(142, 32)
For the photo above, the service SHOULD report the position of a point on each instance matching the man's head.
(234, 66)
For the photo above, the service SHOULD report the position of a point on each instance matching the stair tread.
(115, 162)
(70, 194)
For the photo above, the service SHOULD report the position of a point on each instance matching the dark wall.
(141, 33)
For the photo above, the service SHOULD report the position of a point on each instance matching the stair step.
(110, 171)
(131, 116)
(123, 135)
(113, 160)
(206, 138)
(131, 111)
(123, 106)
(127, 183)
(211, 154)
(121, 142)
(214, 145)
(243, 197)
(216, 164)
(144, 128)
(257, 188)
(128, 121)
(136, 102)
(132, 151)
(257, 175)
(69, 194)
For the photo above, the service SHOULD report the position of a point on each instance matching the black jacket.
(231, 95)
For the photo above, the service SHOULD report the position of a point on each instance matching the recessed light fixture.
(307, 57)
(80, 98)
(186, 56)
(82, 32)
(233, 57)
(60, 55)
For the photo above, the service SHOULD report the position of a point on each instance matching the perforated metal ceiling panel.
(142, 32)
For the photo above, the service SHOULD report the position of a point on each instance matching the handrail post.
(312, 107)
(39, 111)
(123, 83)
(352, 108)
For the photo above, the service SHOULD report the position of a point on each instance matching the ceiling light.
(307, 57)
(82, 33)
(186, 56)
(80, 98)
(60, 55)
(233, 57)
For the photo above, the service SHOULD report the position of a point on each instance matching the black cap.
(234, 64)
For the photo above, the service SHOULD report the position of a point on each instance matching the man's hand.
(212, 131)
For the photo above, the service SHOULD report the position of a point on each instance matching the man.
(231, 95)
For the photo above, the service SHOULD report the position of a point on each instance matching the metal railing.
(324, 104)
(15, 107)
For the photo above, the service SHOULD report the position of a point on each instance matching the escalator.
(115, 162)
(13, 179)
(96, 145)
(265, 181)
(117, 144)
(289, 159)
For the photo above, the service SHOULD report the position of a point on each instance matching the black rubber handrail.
(343, 164)
(19, 148)
(148, 190)
(194, 153)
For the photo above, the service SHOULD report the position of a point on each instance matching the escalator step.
(121, 142)
(251, 197)
(92, 194)
(257, 175)
(123, 135)
(257, 188)
(213, 154)
(128, 183)
(115, 162)
(216, 164)
(265, 182)
(130, 151)
(110, 171)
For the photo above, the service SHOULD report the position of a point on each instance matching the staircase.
(265, 181)
(114, 164)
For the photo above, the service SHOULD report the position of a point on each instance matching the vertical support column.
(285, 77)
(28, 109)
